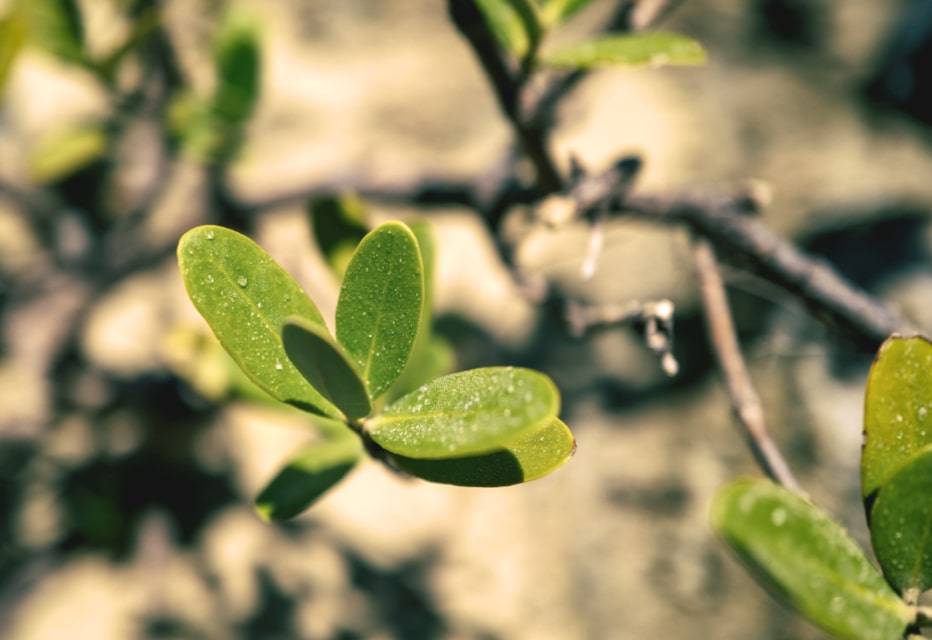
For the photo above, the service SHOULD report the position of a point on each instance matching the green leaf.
(556, 11)
(530, 456)
(338, 222)
(901, 524)
(897, 410)
(245, 297)
(312, 472)
(326, 366)
(637, 49)
(808, 561)
(514, 23)
(380, 304)
(238, 60)
(469, 412)
(55, 25)
(430, 359)
(63, 152)
(12, 38)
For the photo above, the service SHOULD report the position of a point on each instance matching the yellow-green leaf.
(56, 26)
(380, 304)
(313, 471)
(901, 525)
(897, 409)
(530, 456)
(12, 38)
(636, 49)
(245, 297)
(514, 23)
(65, 151)
(554, 12)
(324, 364)
(465, 413)
(808, 561)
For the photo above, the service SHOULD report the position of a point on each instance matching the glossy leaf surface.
(245, 297)
(897, 409)
(808, 560)
(901, 525)
(638, 49)
(529, 457)
(380, 304)
(311, 473)
(324, 364)
(469, 412)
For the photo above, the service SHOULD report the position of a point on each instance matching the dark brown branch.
(744, 399)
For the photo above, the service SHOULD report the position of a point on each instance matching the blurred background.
(131, 449)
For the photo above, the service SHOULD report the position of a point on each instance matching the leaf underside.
(529, 457)
(245, 297)
(323, 363)
(466, 413)
(379, 308)
(808, 561)
(313, 471)
(901, 525)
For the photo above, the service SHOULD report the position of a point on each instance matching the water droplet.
(922, 412)
(778, 516)
(209, 234)
(210, 279)
(242, 281)
(279, 366)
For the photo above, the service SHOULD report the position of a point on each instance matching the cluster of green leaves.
(492, 426)
(520, 27)
(808, 560)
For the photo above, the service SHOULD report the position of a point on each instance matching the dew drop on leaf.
(209, 234)
(242, 281)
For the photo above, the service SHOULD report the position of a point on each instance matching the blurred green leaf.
(65, 151)
(55, 25)
(897, 409)
(313, 471)
(530, 456)
(245, 297)
(238, 62)
(554, 12)
(144, 25)
(12, 38)
(901, 521)
(324, 364)
(431, 358)
(636, 49)
(467, 413)
(514, 23)
(380, 304)
(338, 222)
(808, 561)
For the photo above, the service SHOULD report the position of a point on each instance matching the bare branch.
(744, 399)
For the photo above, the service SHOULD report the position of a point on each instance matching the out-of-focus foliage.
(639, 49)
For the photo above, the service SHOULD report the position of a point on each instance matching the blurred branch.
(744, 399)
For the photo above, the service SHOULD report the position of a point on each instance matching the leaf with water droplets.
(808, 561)
(313, 471)
(466, 413)
(380, 304)
(245, 297)
(530, 456)
(655, 48)
(897, 410)
(901, 525)
(326, 366)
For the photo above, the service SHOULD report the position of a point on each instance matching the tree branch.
(744, 399)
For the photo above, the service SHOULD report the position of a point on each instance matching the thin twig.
(744, 399)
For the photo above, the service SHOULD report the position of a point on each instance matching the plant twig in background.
(744, 399)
